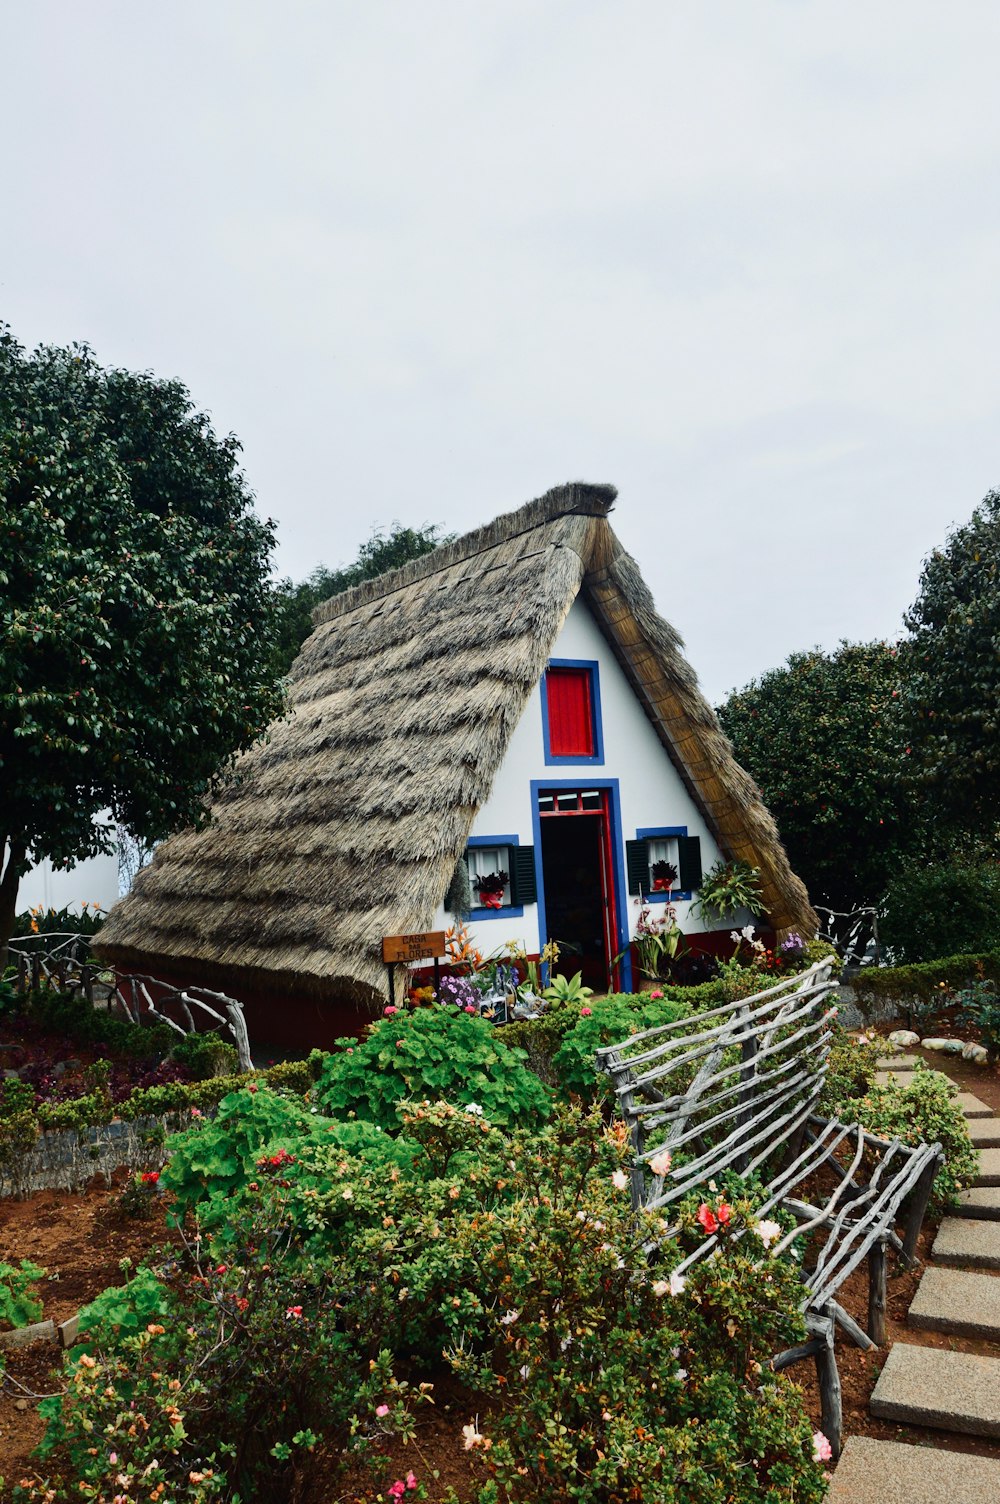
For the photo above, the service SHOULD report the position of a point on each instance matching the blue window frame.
(621, 891)
(496, 843)
(590, 665)
(663, 833)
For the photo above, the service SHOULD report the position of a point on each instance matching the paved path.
(934, 1387)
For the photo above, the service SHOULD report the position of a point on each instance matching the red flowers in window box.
(491, 889)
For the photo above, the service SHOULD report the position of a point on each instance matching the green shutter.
(637, 864)
(689, 863)
(522, 875)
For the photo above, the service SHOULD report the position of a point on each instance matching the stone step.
(897, 1062)
(962, 1242)
(989, 1167)
(982, 1201)
(985, 1132)
(958, 1301)
(890, 1472)
(926, 1386)
(972, 1107)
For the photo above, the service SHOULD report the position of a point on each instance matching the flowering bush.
(431, 1052)
(606, 1021)
(923, 1111)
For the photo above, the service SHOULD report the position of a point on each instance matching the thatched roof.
(345, 825)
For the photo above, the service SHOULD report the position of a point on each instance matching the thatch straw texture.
(345, 825)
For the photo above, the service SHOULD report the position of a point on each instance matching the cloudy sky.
(428, 259)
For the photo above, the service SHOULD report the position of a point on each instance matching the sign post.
(405, 949)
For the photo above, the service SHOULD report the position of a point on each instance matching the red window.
(571, 712)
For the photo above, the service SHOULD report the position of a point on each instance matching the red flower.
(149, 1177)
(723, 1212)
(707, 1218)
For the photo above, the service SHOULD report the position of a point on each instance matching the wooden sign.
(412, 947)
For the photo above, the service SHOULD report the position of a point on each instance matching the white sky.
(429, 259)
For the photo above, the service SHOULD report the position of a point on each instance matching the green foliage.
(20, 1303)
(64, 921)
(934, 909)
(124, 1311)
(951, 690)
(727, 887)
(851, 1070)
(568, 989)
(382, 552)
(206, 1055)
(437, 1052)
(928, 981)
(134, 605)
(609, 1020)
(822, 736)
(924, 1111)
(70, 1014)
(980, 1005)
(216, 1158)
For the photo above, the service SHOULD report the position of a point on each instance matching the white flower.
(619, 1180)
(474, 1108)
(509, 1317)
(677, 1284)
(473, 1437)
(581, 1216)
(661, 1287)
(767, 1231)
(525, 1370)
(681, 1375)
(660, 1163)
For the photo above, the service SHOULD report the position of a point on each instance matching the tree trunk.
(10, 881)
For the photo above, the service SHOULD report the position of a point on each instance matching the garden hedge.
(923, 980)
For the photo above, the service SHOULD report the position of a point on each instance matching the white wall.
(95, 880)
(650, 788)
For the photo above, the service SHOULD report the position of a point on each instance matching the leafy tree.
(822, 738)
(951, 689)
(382, 552)
(136, 614)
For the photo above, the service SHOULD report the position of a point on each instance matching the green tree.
(136, 613)
(951, 688)
(382, 552)
(822, 737)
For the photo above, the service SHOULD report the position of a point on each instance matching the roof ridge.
(581, 498)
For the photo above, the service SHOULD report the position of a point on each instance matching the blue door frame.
(610, 785)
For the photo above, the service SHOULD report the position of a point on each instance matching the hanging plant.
(458, 900)
(490, 888)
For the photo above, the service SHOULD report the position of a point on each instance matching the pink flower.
(656, 994)
(470, 1007)
(619, 1180)
(660, 1163)
(411, 1480)
(381, 1411)
(196, 1112)
(390, 1010)
(822, 1450)
(586, 1012)
(397, 1489)
(294, 1313)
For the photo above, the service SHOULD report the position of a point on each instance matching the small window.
(489, 876)
(571, 713)
(664, 864)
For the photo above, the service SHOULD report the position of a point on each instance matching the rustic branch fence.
(65, 962)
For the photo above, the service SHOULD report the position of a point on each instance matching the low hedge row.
(923, 980)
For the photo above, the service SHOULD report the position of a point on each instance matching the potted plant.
(490, 888)
(664, 876)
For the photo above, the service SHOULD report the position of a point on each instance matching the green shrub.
(435, 1053)
(850, 1074)
(936, 909)
(924, 1111)
(206, 1055)
(607, 1021)
(70, 1014)
(980, 1005)
(925, 981)
(20, 1304)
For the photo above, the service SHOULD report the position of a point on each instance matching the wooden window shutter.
(689, 863)
(522, 875)
(570, 712)
(637, 866)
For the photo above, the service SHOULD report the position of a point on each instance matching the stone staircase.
(955, 1391)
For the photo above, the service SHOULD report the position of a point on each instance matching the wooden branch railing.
(68, 965)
